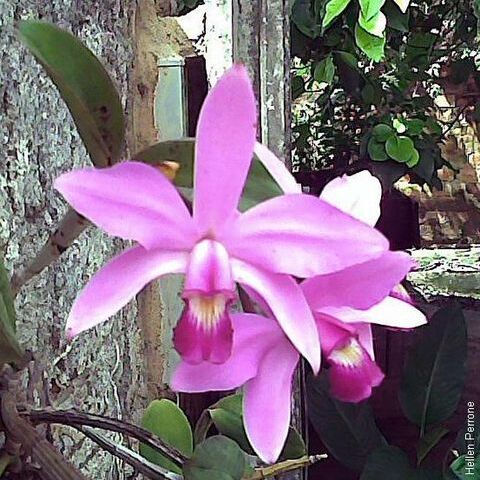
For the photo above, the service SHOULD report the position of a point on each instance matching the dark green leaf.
(376, 150)
(415, 126)
(348, 430)
(371, 45)
(325, 70)
(333, 9)
(217, 458)
(298, 86)
(85, 86)
(382, 132)
(228, 419)
(400, 148)
(435, 370)
(10, 350)
(396, 19)
(304, 18)
(429, 441)
(260, 185)
(394, 461)
(169, 423)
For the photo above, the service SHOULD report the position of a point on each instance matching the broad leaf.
(429, 441)
(382, 132)
(375, 25)
(169, 423)
(348, 430)
(392, 461)
(216, 458)
(260, 185)
(376, 150)
(370, 8)
(371, 45)
(227, 415)
(10, 350)
(84, 85)
(324, 70)
(435, 369)
(466, 468)
(333, 9)
(305, 19)
(400, 148)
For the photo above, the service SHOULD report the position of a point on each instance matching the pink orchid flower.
(214, 246)
(344, 304)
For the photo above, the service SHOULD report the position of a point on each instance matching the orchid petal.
(354, 383)
(365, 337)
(267, 402)
(133, 201)
(359, 286)
(224, 148)
(209, 270)
(277, 169)
(358, 195)
(197, 342)
(303, 236)
(332, 331)
(286, 301)
(390, 312)
(114, 285)
(253, 336)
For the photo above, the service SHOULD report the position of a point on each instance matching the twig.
(53, 466)
(78, 419)
(141, 464)
(285, 466)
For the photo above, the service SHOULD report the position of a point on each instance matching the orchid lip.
(349, 354)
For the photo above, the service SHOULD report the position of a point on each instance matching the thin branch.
(141, 464)
(76, 419)
(53, 466)
(285, 466)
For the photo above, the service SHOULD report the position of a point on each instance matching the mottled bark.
(101, 371)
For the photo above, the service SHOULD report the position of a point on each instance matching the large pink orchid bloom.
(344, 304)
(214, 246)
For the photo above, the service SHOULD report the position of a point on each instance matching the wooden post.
(261, 41)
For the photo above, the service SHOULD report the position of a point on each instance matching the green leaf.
(429, 441)
(415, 126)
(304, 18)
(370, 8)
(169, 423)
(435, 369)
(325, 70)
(382, 132)
(227, 415)
(298, 86)
(374, 25)
(376, 150)
(400, 148)
(217, 458)
(10, 350)
(394, 461)
(348, 430)
(260, 185)
(83, 84)
(371, 45)
(333, 9)
(396, 19)
(414, 159)
(399, 126)
(463, 464)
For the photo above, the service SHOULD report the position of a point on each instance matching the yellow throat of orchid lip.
(207, 310)
(350, 355)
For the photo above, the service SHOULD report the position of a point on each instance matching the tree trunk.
(101, 371)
